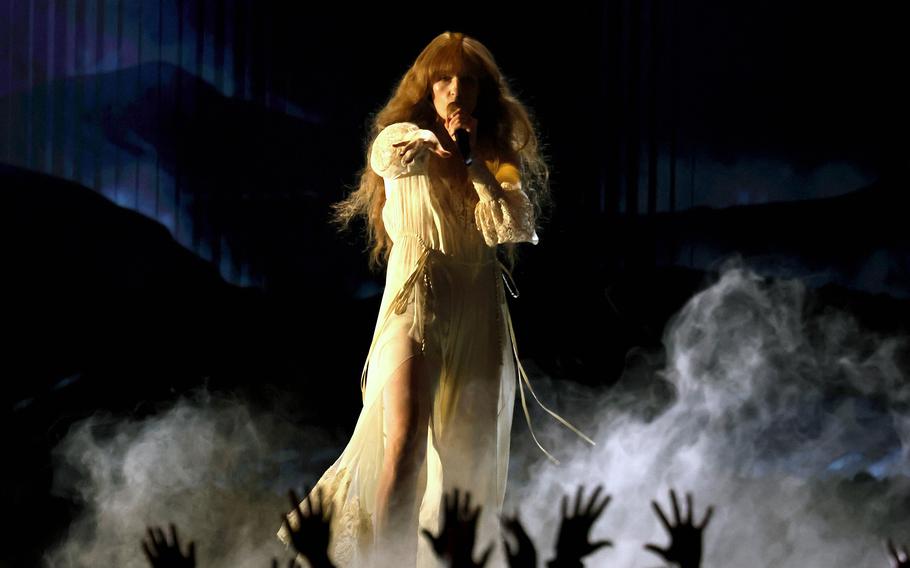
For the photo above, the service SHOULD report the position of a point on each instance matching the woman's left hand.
(460, 119)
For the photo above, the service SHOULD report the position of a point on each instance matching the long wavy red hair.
(505, 133)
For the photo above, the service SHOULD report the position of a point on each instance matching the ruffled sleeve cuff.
(385, 159)
(505, 218)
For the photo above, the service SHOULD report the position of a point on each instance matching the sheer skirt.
(450, 312)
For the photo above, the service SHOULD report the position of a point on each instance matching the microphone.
(462, 136)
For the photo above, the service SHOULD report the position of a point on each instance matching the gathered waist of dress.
(479, 256)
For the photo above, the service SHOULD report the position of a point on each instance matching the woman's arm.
(504, 213)
(386, 158)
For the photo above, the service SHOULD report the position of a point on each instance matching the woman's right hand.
(426, 139)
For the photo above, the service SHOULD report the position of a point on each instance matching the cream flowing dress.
(444, 299)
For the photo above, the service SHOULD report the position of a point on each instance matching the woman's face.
(461, 88)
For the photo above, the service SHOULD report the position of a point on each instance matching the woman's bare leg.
(406, 410)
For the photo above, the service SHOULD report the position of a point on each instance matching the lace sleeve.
(506, 218)
(384, 158)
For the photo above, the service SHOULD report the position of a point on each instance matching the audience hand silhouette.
(455, 542)
(898, 559)
(525, 554)
(572, 543)
(310, 537)
(685, 547)
(162, 553)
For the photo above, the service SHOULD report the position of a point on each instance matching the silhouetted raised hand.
(525, 554)
(455, 542)
(572, 543)
(310, 537)
(164, 553)
(685, 537)
(898, 559)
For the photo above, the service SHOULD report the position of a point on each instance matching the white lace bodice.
(503, 215)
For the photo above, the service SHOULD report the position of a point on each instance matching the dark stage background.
(167, 170)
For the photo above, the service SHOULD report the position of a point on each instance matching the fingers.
(295, 503)
(485, 556)
(519, 528)
(564, 506)
(660, 514)
(707, 518)
(409, 150)
(578, 500)
(315, 504)
(325, 512)
(153, 540)
(157, 542)
(318, 509)
(453, 121)
(174, 541)
(590, 507)
(429, 536)
(404, 146)
(459, 119)
(690, 508)
(467, 503)
(675, 506)
(432, 143)
(159, 534)
(475, 514)
(508, 548)
(464, 512)
(286, 524)
(657, 550)
(148, 552)
(309, 501)
(892, 550)
(603, 505)
(595, 509)
(509, 524)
